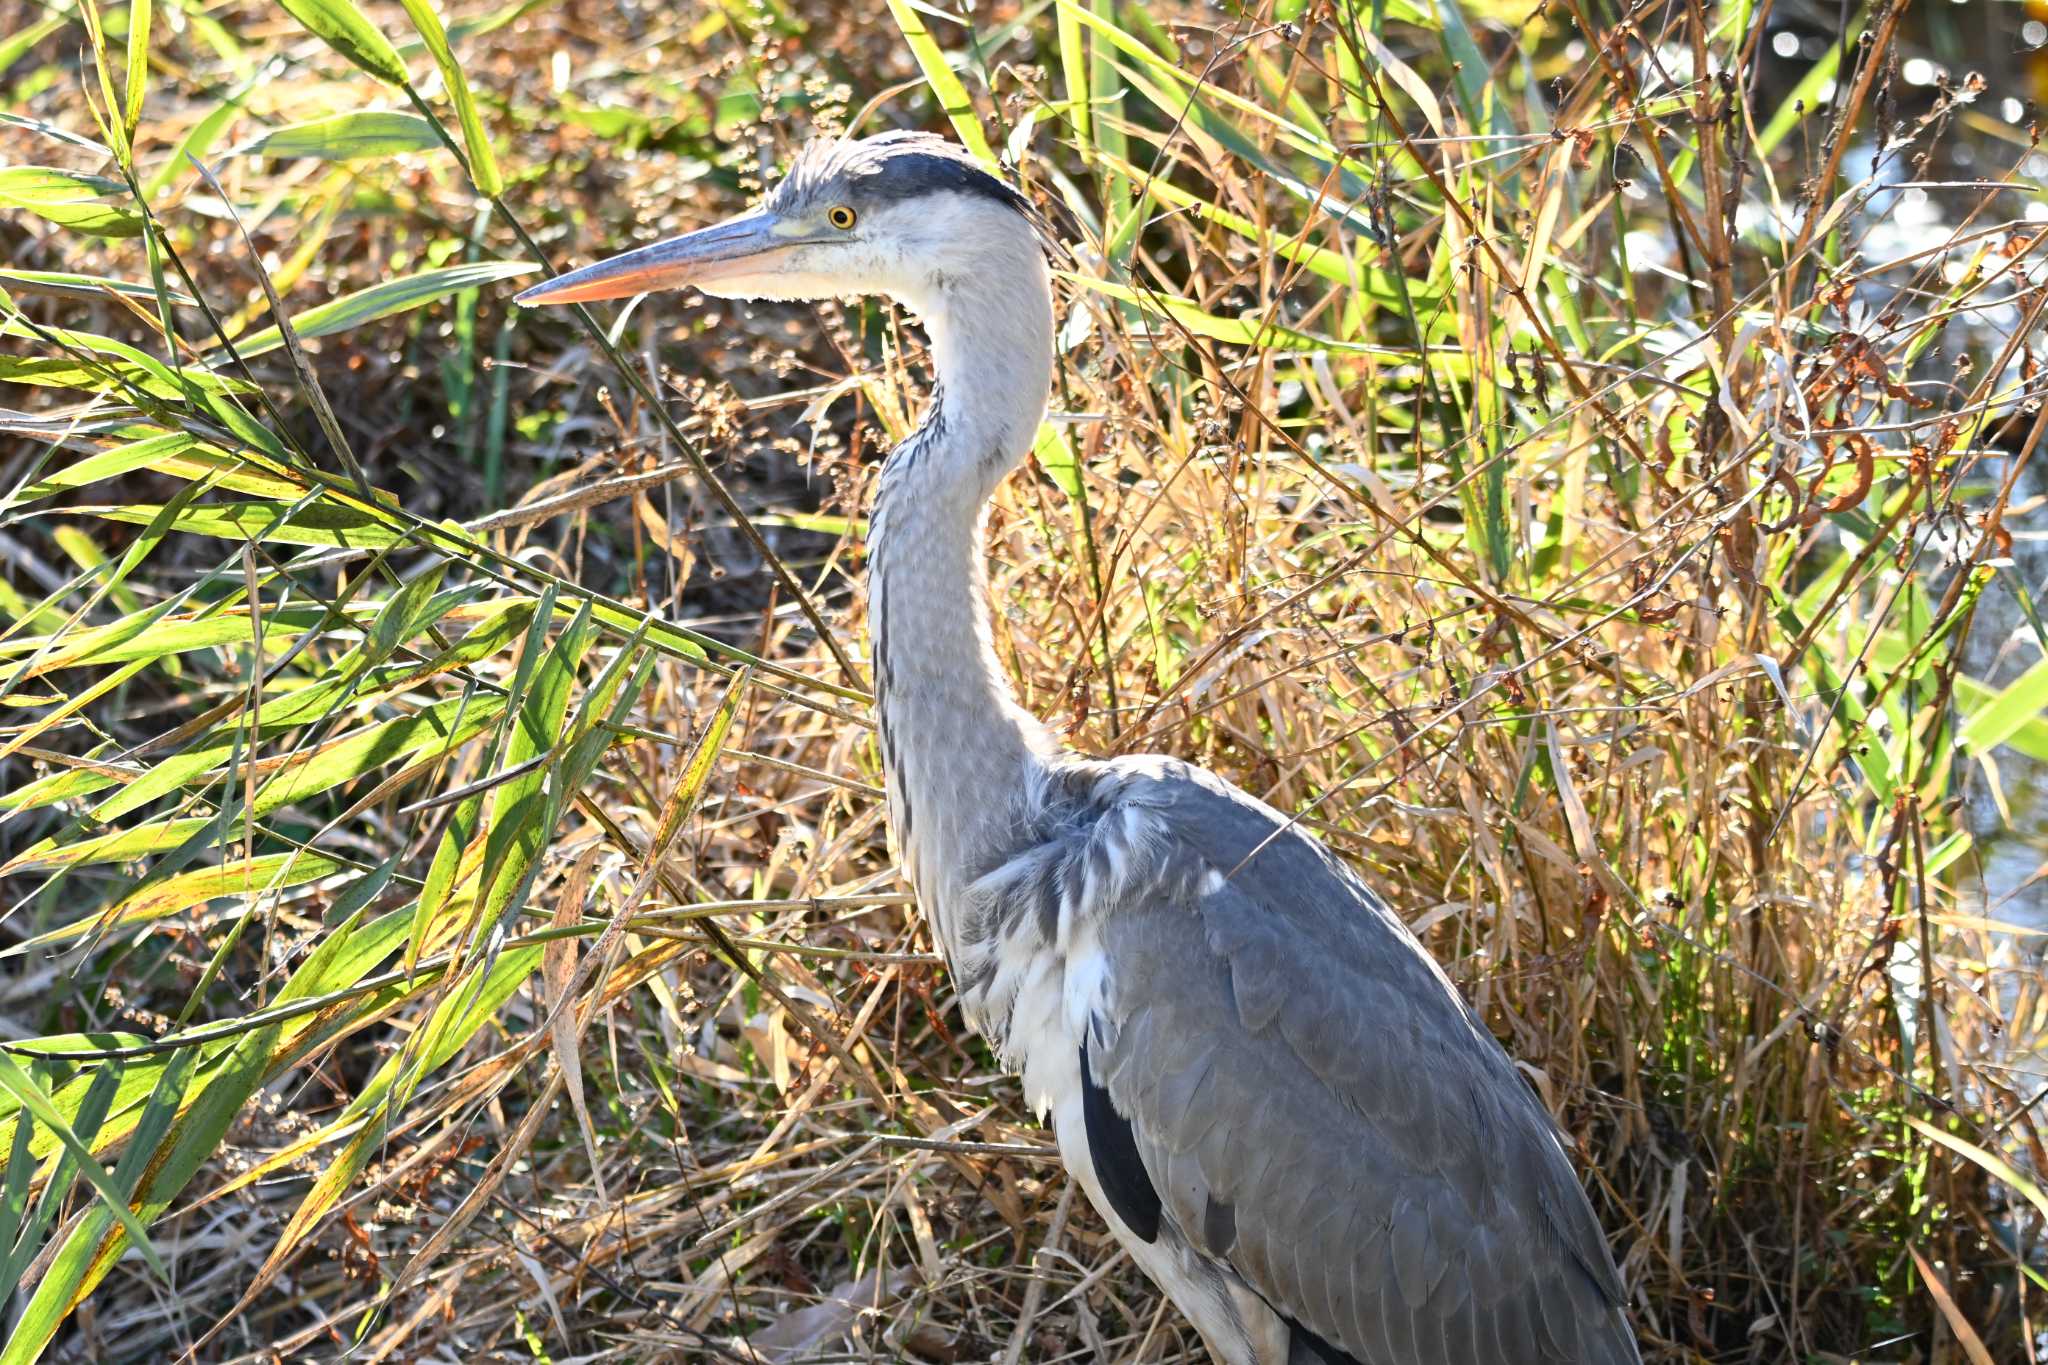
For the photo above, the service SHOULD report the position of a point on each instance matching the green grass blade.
(384, 299)
(19, 1234)
(1250, 332)
(2019, 705)
(65, 284)
(149, 635)
(138, 63)
(483, 162)
(89, 1115)
(83, 203)
(945, 86)
(444, 874)
(16, 45)
(1804, 99)
(328, 522)
(120, 846)
(346, 137)
(518, 827)
(1990, 1162)
(342, 957)
(36, 1101)
(435, 729)
(1074, 79)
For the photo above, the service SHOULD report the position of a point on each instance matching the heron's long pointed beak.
(697, 258)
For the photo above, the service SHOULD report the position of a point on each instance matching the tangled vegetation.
(1563, 452)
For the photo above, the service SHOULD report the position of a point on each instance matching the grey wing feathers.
(1317, 1108)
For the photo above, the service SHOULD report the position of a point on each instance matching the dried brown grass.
(1585, 735)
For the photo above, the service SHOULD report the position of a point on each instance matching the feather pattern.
(1317, 1119)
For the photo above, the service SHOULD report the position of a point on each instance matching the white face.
(828, 247)
(906, 250)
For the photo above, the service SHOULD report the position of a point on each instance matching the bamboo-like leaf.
(383, 299)
(151, 634)
(696, 774)
(121, 364)
(483, 162)
(173, 453)
(519, 824)
(36, 1101)
(325, 522)
(2019, 705)
(615, 690)
(463, 1010)
(65, 785)
(1805, 99)
(1317, 260)
(346, 137)
(411, 610)
(1993, 1165)
(344, 28)
(239, 877)
(456, 853)
(89, 1116)
(74, 1100)
(106, 113)
(1074, 79)
(166, 1166)
(56, 372)
(938, 74)
(62, 284)
(490, 635)
(106, 464)
(1182, 93)
(1403, 75)
(138, 62)
(71, 704)
(20, 1232)
(83, 203)
(16, 45)
(120, 846)
(444, 725)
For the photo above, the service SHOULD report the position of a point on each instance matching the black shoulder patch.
(1306, 1348)
(1113, 1147)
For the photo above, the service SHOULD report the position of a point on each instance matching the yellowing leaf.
(344, 28)
(241, 877)
(483, 163)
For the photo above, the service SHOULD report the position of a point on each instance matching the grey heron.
(1272, 1094)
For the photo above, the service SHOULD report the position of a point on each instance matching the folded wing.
(1307, 1100)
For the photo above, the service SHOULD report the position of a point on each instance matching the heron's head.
(898, 214)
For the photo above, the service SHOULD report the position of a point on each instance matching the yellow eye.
(840, 216)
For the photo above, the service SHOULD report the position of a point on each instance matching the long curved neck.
(958, 750)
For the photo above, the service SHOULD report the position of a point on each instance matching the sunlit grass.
(448, 904)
